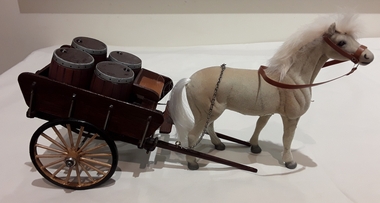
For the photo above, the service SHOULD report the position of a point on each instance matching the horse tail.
(178, 112)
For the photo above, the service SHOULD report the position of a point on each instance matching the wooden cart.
(75, 148)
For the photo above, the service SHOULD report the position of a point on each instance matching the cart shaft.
(176, 148)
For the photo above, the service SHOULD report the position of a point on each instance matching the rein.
(352, 57)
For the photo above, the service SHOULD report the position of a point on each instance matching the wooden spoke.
(60, 136)
(78, 174)
(68, 176)
(53, 163)
(96, 162)
(97, 155)
(53, 141)
(94, 168)
(49, 148)
(70, 133)
(88, 142)
(79, 137)
(87, 173)
(50, 156)
(94, 148)
(58, 170)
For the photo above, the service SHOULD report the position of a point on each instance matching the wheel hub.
(70, 162)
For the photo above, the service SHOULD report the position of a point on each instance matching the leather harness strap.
(332, 62)
(290, 86)
(353, 57)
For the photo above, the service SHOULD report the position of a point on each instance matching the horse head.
(343, 46)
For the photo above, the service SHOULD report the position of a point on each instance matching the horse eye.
(341, 43)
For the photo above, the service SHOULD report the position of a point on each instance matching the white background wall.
(27, 25)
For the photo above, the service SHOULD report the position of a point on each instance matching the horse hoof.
(220, 147)
(291, 165)
(256, 149)
(192, 166)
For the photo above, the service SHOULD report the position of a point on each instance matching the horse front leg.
(290, 126)
(261, 122)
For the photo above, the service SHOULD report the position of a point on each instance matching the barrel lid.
(73, 58)
(126, 58)
(89, 45)
(114, 72)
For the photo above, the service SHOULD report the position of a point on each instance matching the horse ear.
(331, 29)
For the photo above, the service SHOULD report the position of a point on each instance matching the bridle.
(354, 57)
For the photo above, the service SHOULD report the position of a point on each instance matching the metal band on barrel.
(69, 64)
(113, 79)
(130, 65)
(90, 51)
(75, 45)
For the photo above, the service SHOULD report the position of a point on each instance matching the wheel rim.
(72, 160)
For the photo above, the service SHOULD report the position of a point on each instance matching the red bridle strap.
(355, 58)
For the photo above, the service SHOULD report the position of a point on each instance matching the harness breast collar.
(352, 57)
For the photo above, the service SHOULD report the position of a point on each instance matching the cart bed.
(49, 99)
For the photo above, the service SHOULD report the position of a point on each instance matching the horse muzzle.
(366, 57)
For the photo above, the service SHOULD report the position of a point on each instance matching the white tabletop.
(336, 143)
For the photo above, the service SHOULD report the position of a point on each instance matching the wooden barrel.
(96, 48)
(72, 66)
(112, 79)
(128, 59)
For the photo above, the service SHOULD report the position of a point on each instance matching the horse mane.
(309, 35)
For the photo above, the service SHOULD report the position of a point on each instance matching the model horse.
(293, 68)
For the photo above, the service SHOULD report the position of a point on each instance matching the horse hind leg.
(193, 138)
(214, 138)
(260, 124)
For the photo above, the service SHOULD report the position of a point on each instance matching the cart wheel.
(71, 160)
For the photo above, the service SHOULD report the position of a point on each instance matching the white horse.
(297, 62)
